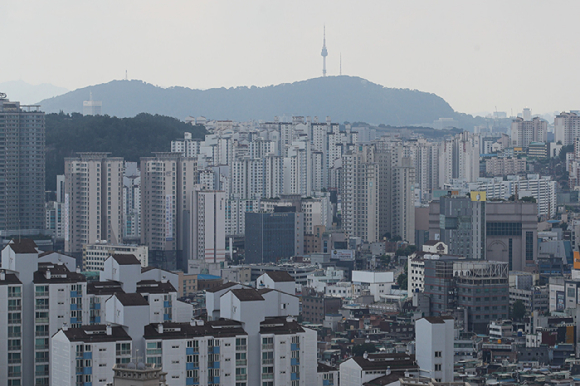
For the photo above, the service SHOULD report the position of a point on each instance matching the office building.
(93, 206)
(273, 236)
(22, 150)
(481, 288)
(167, 186)
(459, 222)
(511, 233)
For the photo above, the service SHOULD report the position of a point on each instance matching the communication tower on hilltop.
(324, 52)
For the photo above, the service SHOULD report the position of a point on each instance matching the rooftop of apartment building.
(96, 333)
(221, 328)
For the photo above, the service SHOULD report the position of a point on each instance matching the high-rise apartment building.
(167, 185)
(93, 204)
(566, 128)
(360, 194)
(459, 158)
(22, 143)
(525, 132)
(208, 226)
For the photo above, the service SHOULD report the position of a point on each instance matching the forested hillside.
(130, 138)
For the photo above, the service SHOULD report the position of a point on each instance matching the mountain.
(27, 94)
(343, 98)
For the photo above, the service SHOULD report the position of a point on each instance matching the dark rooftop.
(131, 299)
(280, 325)
(126, 260)
(218, 328)
(96, 333)
(280, 276)
(222, 287)
(10, 278)
(437, 319)
(154, 287)
(385, 361)
(247, 295)
(104, 288)
(323, 368)
(23, 246)
(431, 242)
(394, 376)
(59, 273)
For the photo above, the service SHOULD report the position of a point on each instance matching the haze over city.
(477, 56)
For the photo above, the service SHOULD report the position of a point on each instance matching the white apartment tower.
(188, 147)
(167, 185)
(360, 194)
(208, 226)
(524, 132)
(93, 205)
(566, 128)
(459, 158)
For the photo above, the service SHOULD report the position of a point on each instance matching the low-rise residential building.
(94, 255)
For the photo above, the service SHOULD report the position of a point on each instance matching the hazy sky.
(475, 54)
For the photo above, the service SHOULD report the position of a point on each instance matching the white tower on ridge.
(324, 53)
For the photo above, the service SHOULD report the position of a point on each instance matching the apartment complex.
(524, 132)
(93, 203)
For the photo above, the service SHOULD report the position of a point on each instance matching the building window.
(438, 367)
(437, 354)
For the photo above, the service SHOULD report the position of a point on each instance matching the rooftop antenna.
(324, 52)
(340, 63)
(126, 78)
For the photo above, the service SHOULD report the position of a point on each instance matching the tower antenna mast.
(324, 52)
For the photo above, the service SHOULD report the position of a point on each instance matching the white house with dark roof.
(87, 355)
(213, 295)
(58, 258)
(278, 280)
(356, 371)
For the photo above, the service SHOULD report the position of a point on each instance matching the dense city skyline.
(453, 50)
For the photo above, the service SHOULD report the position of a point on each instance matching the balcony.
(241, 348)
(268, 361)
(241, 377)
(269, 346)
(268, 376)
(241, 362)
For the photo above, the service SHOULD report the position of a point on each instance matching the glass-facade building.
(270, 236)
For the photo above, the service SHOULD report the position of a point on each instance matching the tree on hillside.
(518, 310)
(359, 349)
(130, 138)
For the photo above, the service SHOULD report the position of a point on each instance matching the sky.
(478, 55)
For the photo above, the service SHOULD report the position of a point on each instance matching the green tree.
(359, 349)
(518, 310)
(402, 279)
